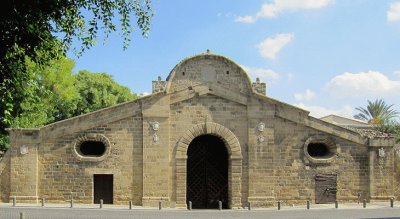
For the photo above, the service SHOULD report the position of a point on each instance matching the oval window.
(320, 150)
(92, 148)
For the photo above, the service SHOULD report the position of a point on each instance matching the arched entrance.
(231, 144)
(207, 172)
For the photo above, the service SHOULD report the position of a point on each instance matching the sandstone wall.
(208, 108)
(62, 175)
(279, 169)
(209, 68)
(5, 178)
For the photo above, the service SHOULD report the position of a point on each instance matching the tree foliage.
(31, 26)
(381, 116)
(44, 30)
(48, 95)
(376, 113)
(53, 93)
(97, 91)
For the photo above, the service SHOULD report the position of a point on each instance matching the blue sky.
(327, 56)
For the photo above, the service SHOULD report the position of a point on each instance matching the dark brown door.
(325, 188)
(207, 172)
(103, 188)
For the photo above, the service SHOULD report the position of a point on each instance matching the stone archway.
(234, 155)
(207, 173)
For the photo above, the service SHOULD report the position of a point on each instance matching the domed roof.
(208, 68)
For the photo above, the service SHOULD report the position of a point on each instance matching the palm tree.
(376, 113)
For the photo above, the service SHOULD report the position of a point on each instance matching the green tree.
(46, 95)
(381, 116)
(52, 93)
(44, 30)
(49, 85)
(97, 91)
(28, 27)
(49, 95)
(377, 113)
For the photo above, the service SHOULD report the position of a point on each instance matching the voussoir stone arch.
(91, 137)
(231, 142)
(235, 161)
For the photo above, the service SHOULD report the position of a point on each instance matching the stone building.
(206, 134)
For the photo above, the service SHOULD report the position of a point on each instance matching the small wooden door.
(325, 188)
(103, 188)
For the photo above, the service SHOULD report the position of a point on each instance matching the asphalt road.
(79, 213)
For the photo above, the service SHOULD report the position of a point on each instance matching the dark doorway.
(207, 172)
(103, 188)
(325, 188)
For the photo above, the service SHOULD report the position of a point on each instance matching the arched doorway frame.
(234, 155)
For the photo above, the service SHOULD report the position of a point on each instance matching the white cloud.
(245, 19)
(271, 46)
(397, 73)
(369, 83)
(307, 95)
(144, 94)
(320, 111)
(276, 7)
(262, 73)
(394, 12)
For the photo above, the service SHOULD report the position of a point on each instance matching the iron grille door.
(207, 172)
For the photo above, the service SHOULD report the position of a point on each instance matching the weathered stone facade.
(269, 146)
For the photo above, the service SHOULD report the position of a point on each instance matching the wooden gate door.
(103, 188)
(325, 188)
(207, 172)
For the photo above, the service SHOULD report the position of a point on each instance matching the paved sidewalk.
(374, 205)
(91, 211)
